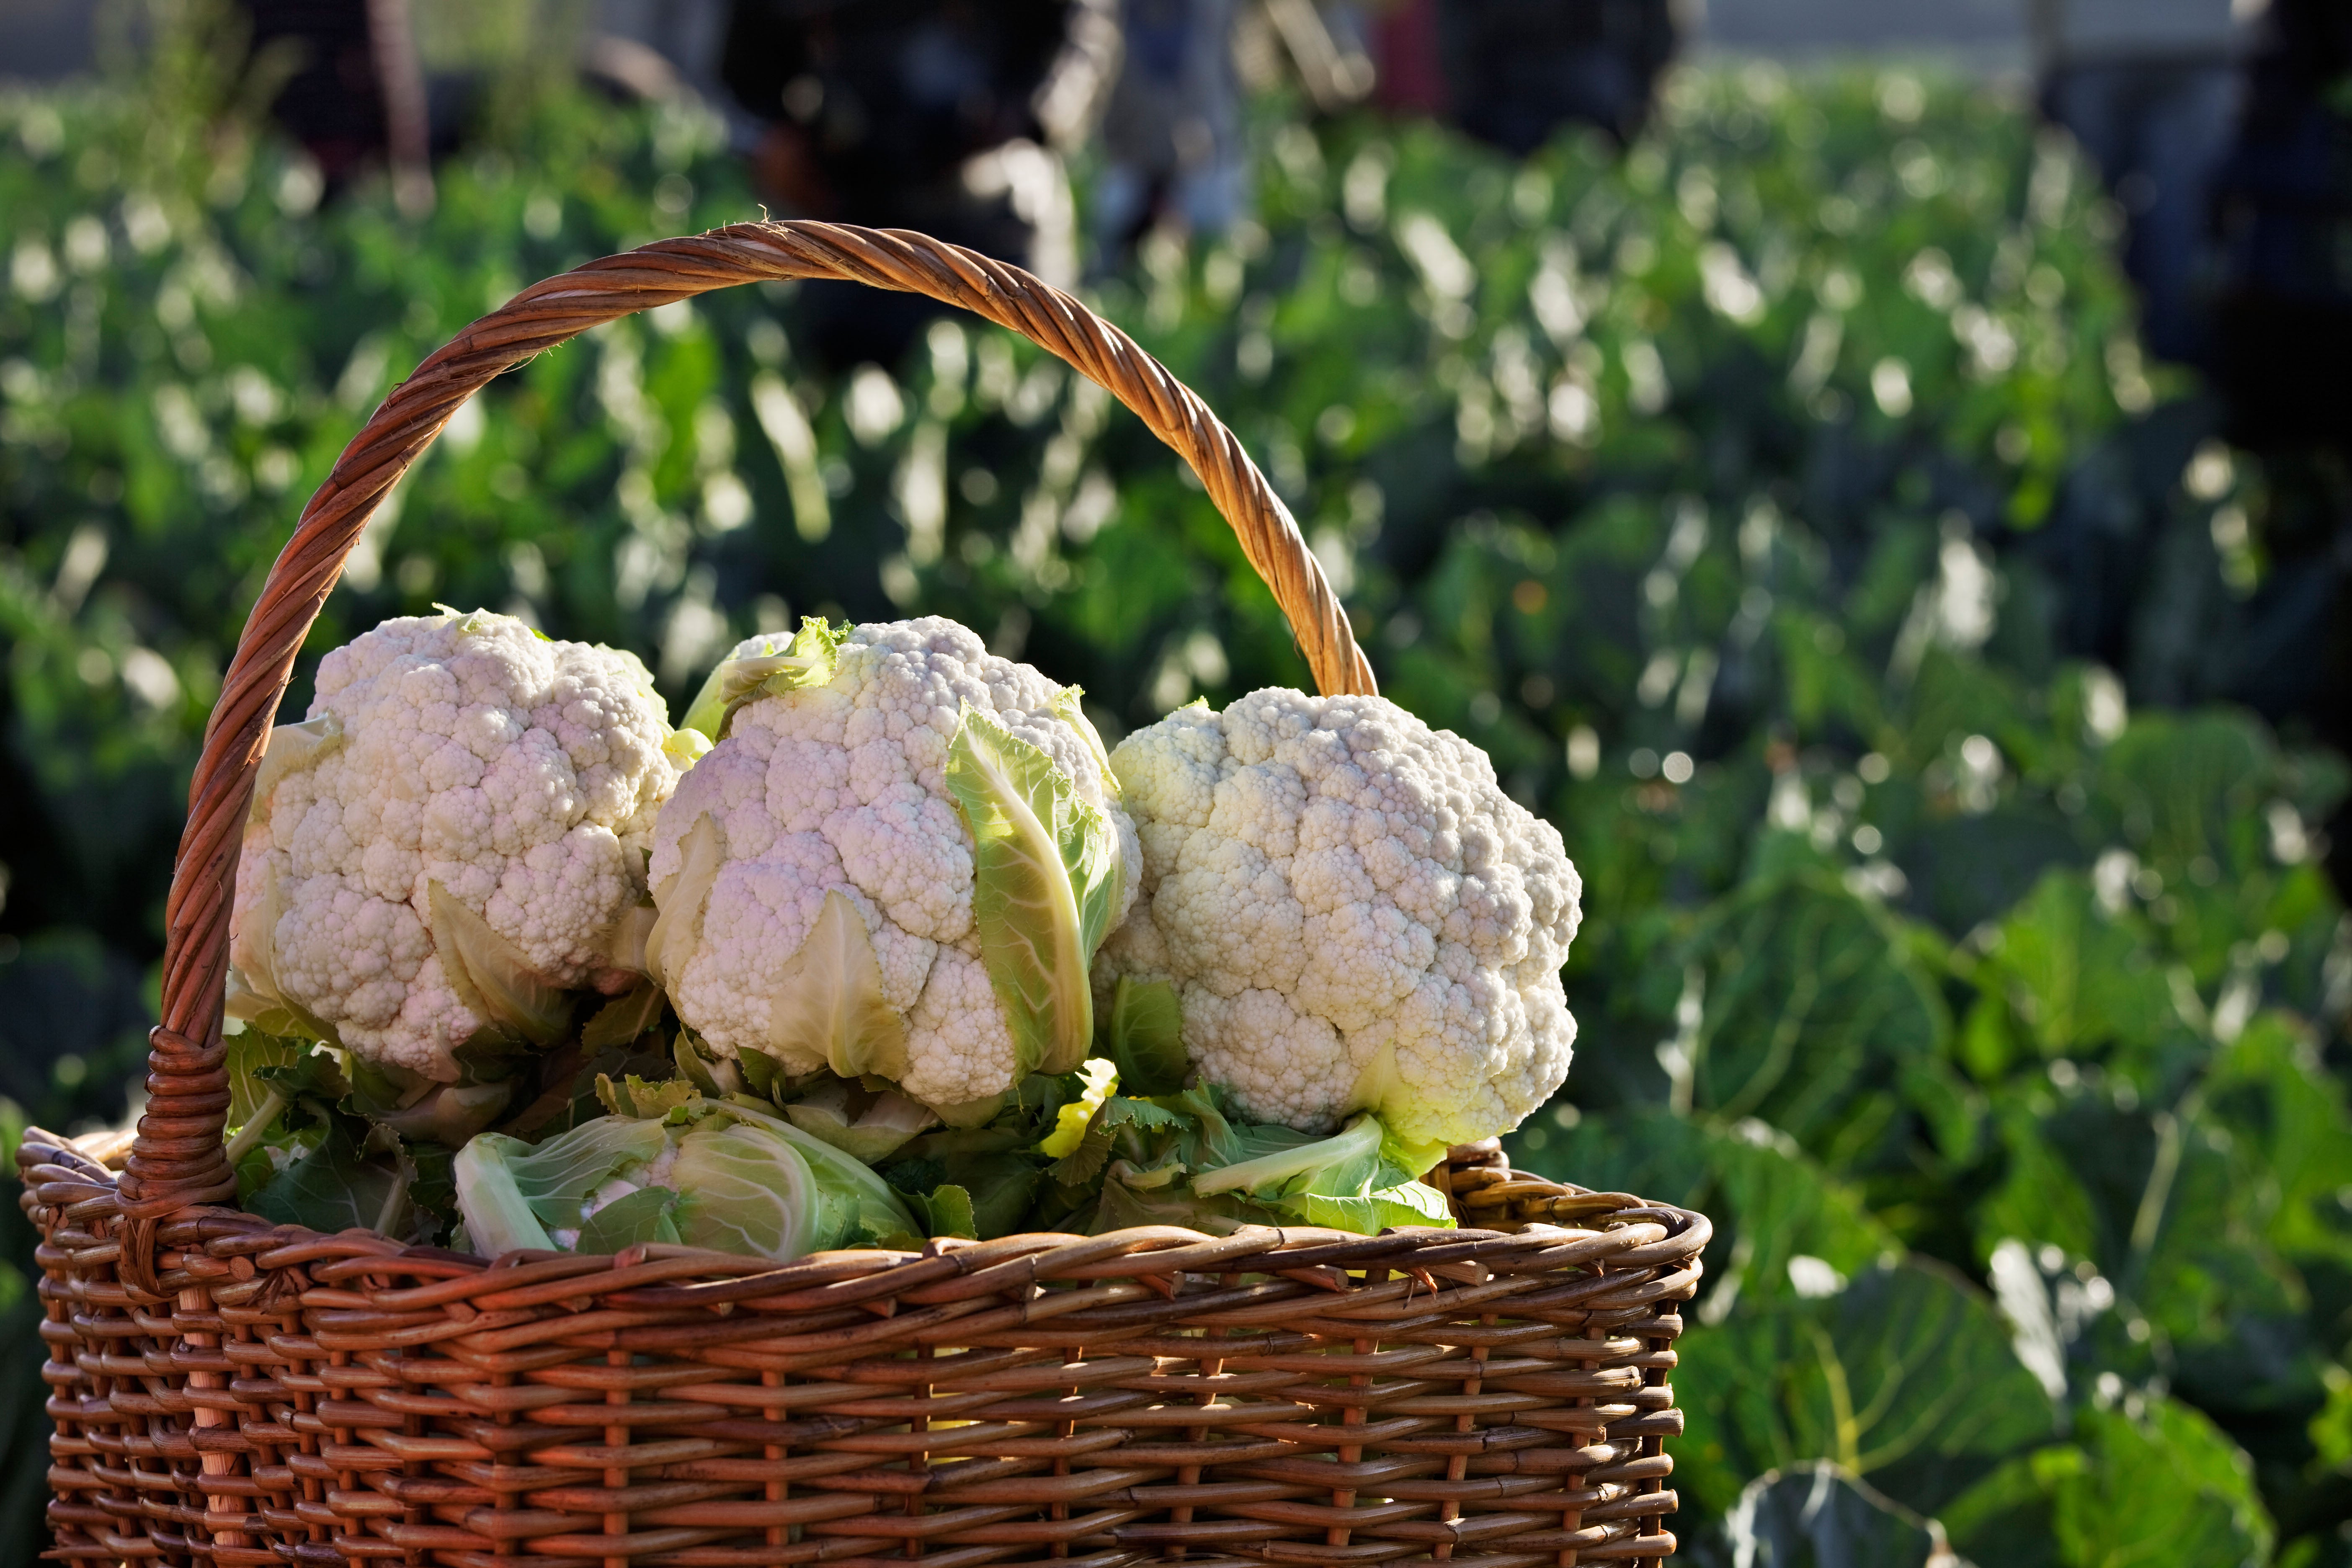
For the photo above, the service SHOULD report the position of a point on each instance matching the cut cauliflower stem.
(1354, 914)
(898, 860)
(462, 782)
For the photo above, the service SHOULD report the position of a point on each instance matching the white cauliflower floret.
(1353, 913)
(842, 786)
(520, 775)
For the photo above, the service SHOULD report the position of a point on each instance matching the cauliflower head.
(458, 774)
(869, 811)
(1354, 915)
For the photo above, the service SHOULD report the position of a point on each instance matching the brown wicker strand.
(178, 1164)
(1495, 1397)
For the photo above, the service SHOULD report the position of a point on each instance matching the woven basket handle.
(177, 1159)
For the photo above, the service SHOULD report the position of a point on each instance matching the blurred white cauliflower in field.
(1354, 914)
(452, 842)
(898, 860)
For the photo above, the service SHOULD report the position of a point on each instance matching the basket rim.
(1641, 1233)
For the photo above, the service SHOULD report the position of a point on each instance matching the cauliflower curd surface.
(1354, 914)
(843, 786)
(521, 774)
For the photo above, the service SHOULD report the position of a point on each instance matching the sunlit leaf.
(1144, 1037)
(1905, 1376)
(1816, 1516)
(491, 977)
(2165, 1485)
(1810, 1005)
(825, 1005)
(333, 1187)
(1046, 876)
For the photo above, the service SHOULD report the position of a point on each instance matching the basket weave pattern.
(233, 1392)
(1498, 1399)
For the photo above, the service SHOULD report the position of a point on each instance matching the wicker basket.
(234, 1393)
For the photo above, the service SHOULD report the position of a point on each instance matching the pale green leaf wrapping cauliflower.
(456, 772)
(826, 914)
(1355, 915)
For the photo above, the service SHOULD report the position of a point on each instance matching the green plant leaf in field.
(1771, 1204)
(2195, 800)
(2041, 1195)
(2291, 1129)
(2005, 1517)
(1812, 1006)
(1967, 868)
(2163, 1484)
(1827, 686)
(2080, 975)
(2170, 1207)
(1905, 1376)
(2181, 786)
(1818, 1516)
(2147, 1480)
(2330, 1431)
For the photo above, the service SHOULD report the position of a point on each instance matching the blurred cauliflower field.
(1728, 491)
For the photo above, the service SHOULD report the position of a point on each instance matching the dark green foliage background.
(1998, 1022)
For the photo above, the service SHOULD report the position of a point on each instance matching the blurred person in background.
(1171, 131)
(368, 83)
(331, 101)
(2283, 338)
(2150, 89)
(2284, 206)
(936, 115)
(657, 49)
(2224, 133)
(1171, 140)
(946, 116)
(1512, 72)
(351, 91)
